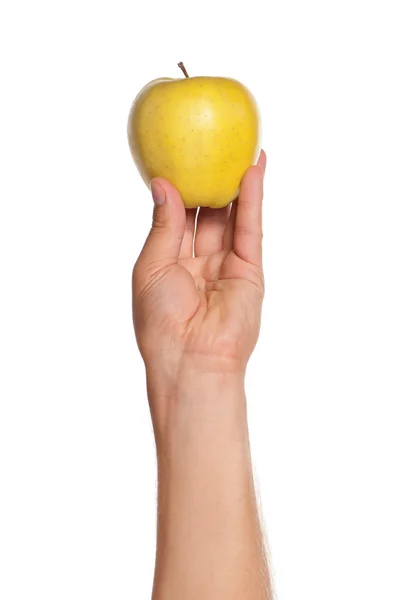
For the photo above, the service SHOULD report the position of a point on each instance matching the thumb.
(168, 226)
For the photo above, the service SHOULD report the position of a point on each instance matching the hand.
(197, 304)
(197, 298)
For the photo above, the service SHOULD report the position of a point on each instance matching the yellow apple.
(200, 133)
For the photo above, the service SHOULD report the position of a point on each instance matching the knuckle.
(158, 225)
(243, 230)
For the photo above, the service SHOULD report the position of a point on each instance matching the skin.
(197, 306)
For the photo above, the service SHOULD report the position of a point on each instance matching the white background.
(77, 468)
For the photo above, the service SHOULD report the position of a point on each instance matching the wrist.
(170, 378)
(194, 401)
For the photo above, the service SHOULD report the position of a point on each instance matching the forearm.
(209, 535)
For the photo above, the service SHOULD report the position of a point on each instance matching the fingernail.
(158, 194)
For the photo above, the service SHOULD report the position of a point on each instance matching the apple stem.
(183, 69)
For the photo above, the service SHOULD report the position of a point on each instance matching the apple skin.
(199, 133)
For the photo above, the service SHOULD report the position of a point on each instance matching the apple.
(199, 133)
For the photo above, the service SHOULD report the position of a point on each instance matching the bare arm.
(209, 538)
(196, 340)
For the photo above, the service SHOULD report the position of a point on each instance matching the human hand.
(197, 304)
(200, 308)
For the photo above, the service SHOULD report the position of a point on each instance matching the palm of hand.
(208, 304)
(212, 303)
